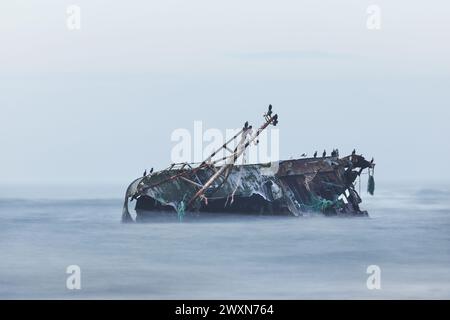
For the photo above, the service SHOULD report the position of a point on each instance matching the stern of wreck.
(325, 184)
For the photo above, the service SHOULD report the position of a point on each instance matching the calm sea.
(42, 232)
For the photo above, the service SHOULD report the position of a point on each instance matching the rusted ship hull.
(291, 187)
(219, 184)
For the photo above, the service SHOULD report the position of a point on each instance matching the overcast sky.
(99, 104)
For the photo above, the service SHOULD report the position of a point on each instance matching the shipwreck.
(324, 184)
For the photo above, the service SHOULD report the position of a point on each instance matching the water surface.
(407, 236)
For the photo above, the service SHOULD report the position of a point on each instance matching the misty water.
(407, 236)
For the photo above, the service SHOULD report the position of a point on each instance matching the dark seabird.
(324, 154)
(315, 154)
(275, 120)
(145, 173)
(269, 113)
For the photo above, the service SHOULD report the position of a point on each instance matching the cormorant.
(353, 152)
(315, 154)
(151, 170)
(324, 154)
(145, 173)
(303, 155)
(269, 114)
(275, 120)
(371, 161)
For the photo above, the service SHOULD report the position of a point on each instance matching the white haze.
(99, 105)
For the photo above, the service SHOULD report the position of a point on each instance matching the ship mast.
(238, 151)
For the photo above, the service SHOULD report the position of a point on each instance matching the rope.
(181, 209)
(371, 182)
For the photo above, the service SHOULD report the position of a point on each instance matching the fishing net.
(371, 185)
(181, 210)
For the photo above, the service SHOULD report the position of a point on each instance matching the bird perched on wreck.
(245, 125)
(335, 153)
(145, 173)
(324, 154)
(353, 152)
(275, 120)
(315, 154)
(268, 114)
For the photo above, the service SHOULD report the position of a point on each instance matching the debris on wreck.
(288, 187)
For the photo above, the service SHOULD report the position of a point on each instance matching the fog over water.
(407, 236)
